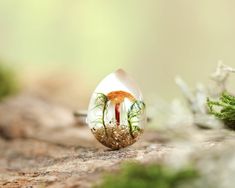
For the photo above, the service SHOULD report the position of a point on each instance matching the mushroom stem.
(117, 113)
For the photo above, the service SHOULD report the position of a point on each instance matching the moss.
(224, 109)
(135, 175)
(8, 82)
(134, 116)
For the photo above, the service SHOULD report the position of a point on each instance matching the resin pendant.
(116, 114)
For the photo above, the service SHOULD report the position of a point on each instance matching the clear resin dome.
(116, 114)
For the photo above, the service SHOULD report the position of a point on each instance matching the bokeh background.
(64, 48)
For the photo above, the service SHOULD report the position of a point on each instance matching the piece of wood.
(55, 153)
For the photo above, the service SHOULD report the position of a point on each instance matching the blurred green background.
(68, 46)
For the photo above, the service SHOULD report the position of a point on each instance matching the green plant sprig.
(101, 102)
(223, 109)
(133, 116)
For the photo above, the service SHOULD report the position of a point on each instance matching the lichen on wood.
(203, 99)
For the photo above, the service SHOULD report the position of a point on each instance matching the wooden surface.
(41, 145)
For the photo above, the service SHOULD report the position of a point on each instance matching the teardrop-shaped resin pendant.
(116, 114)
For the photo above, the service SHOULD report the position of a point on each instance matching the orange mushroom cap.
(119, 96)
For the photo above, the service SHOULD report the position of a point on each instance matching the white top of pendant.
(119, 80)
